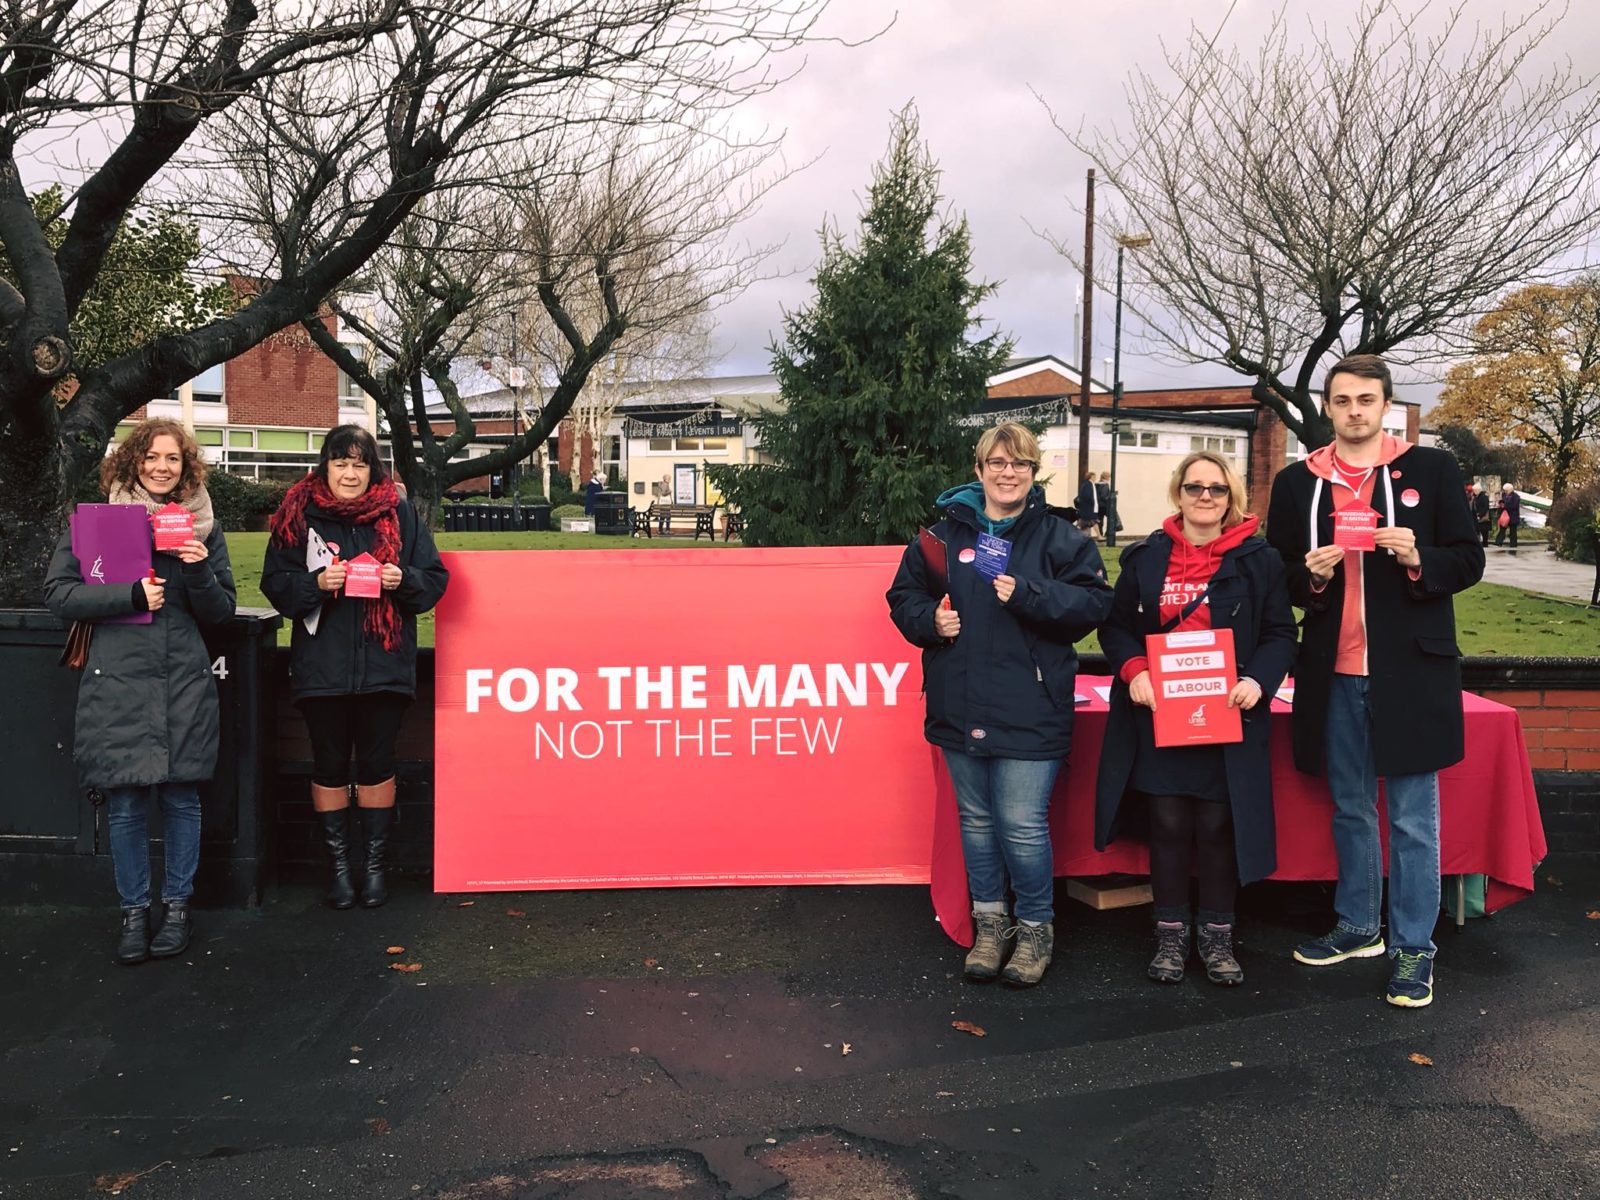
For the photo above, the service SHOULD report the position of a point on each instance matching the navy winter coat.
(340, 659)
(147, 701)
(1004, 686)
(1249, 595)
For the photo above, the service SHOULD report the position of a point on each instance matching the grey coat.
(147, 703)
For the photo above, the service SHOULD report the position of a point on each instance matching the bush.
(1575, 524)
(567, 510)
(240, 504)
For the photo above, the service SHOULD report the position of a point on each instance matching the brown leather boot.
(376, 805)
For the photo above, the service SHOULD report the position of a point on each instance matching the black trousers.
(365, 726)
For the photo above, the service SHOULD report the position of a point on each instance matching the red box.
(1192, 673)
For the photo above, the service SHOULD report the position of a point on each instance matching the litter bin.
(452, 518)
(537, 516)
(611, 513)
(54, 842)
(474, 515)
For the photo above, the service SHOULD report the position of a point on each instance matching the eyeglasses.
(1020, 465)
(1219, 491)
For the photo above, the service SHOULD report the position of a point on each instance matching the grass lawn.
(1490, 619)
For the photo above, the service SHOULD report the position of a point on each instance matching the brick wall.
(285, 380)
(1268, 444)
(1560, 725)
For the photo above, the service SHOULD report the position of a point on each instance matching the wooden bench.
(674, 520)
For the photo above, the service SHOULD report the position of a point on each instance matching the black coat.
(1004, 686)
(1088, 502)
(1250, 596)
(1414, 665)
(341, 659)
(147, 702)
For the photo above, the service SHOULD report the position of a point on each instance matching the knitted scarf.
(199, 504)
(375, 507)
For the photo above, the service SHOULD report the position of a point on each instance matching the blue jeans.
(1005, 829)
(126, 809)
(1413, 829)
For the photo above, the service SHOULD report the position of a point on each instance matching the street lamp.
(1127, 241)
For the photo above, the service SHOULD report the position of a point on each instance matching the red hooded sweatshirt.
(1352, 484)
(1188, 571)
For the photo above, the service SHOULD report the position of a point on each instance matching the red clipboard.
(1192, 673)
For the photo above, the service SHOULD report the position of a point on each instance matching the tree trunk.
(424, 488)
(33, 512)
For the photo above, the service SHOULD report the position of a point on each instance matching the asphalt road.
(787, 1043)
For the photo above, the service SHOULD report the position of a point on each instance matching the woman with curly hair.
(352, 662)
(147, 704)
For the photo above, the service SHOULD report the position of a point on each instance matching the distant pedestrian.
(1481, 507)
(1510, 516)
(1102, 501)
(1088, 504)
(593, 488)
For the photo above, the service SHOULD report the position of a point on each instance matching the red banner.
(644, 718)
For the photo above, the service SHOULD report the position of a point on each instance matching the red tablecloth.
(1489, 815)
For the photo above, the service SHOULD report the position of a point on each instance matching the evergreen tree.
(875, 374)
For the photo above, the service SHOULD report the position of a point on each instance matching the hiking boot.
(1035, 945)
(1337, 945)
(1410, 981)
(1216, 951)
(134, 944)
(1172, 952)
(173, 936)
(988, 946)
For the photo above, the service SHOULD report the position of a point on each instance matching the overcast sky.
(969, 68)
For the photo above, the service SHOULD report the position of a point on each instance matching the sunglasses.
(1219, 491)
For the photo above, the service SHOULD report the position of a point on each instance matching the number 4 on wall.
(220, 667)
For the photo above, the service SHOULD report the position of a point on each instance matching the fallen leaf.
(1422, 1060)
(845, 1047)
(515, 912)
(113, 1185)
(969, 1027)
(650, 962)
(944, 1093)
(1552, 881)
(378, 1125)
(466, 903)
(1593, 914)
(405, 966)
(395, 950)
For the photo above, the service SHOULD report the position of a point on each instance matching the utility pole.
(1087, 356)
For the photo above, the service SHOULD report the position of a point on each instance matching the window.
(207, 386)
(660, 444)
(1217, 445)
(715, 443)
(208, 437)
(1148, 440)
(350, 393)
(1127, 438)
(283, 439)
(242, 437)
(688, 444)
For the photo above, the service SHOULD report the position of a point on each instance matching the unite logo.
(97, 572)
(1198, 716)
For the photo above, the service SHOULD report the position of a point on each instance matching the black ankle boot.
(375, 824)
(173, 936)
(134, 944)
(341, 888)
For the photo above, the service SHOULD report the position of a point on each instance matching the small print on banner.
(993, 554)
(1354, 526)
(1192, 673)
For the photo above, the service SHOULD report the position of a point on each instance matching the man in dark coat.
(1102, 501)
(1088, 504)
(1511, 510)
(1378, 680)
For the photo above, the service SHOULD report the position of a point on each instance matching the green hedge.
(1575, 524)
(242, 504)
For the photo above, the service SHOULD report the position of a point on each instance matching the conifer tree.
(875, 374)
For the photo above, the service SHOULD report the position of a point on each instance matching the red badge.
(1394, 474)
(1411, 497)
(967, 555)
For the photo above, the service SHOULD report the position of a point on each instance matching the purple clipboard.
(112, 545)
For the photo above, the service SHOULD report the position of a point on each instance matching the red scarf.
(375, 507)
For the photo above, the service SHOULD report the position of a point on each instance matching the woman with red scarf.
(352, 662)
(1203, 808)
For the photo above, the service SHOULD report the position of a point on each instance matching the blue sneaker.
(1411, 980)
(1338, 945)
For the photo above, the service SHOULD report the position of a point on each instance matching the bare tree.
(361, 109)
(584, 262)
(1369, 193)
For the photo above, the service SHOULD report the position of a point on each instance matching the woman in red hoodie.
(1203, 808)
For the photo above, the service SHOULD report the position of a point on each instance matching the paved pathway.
(1534, 569)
